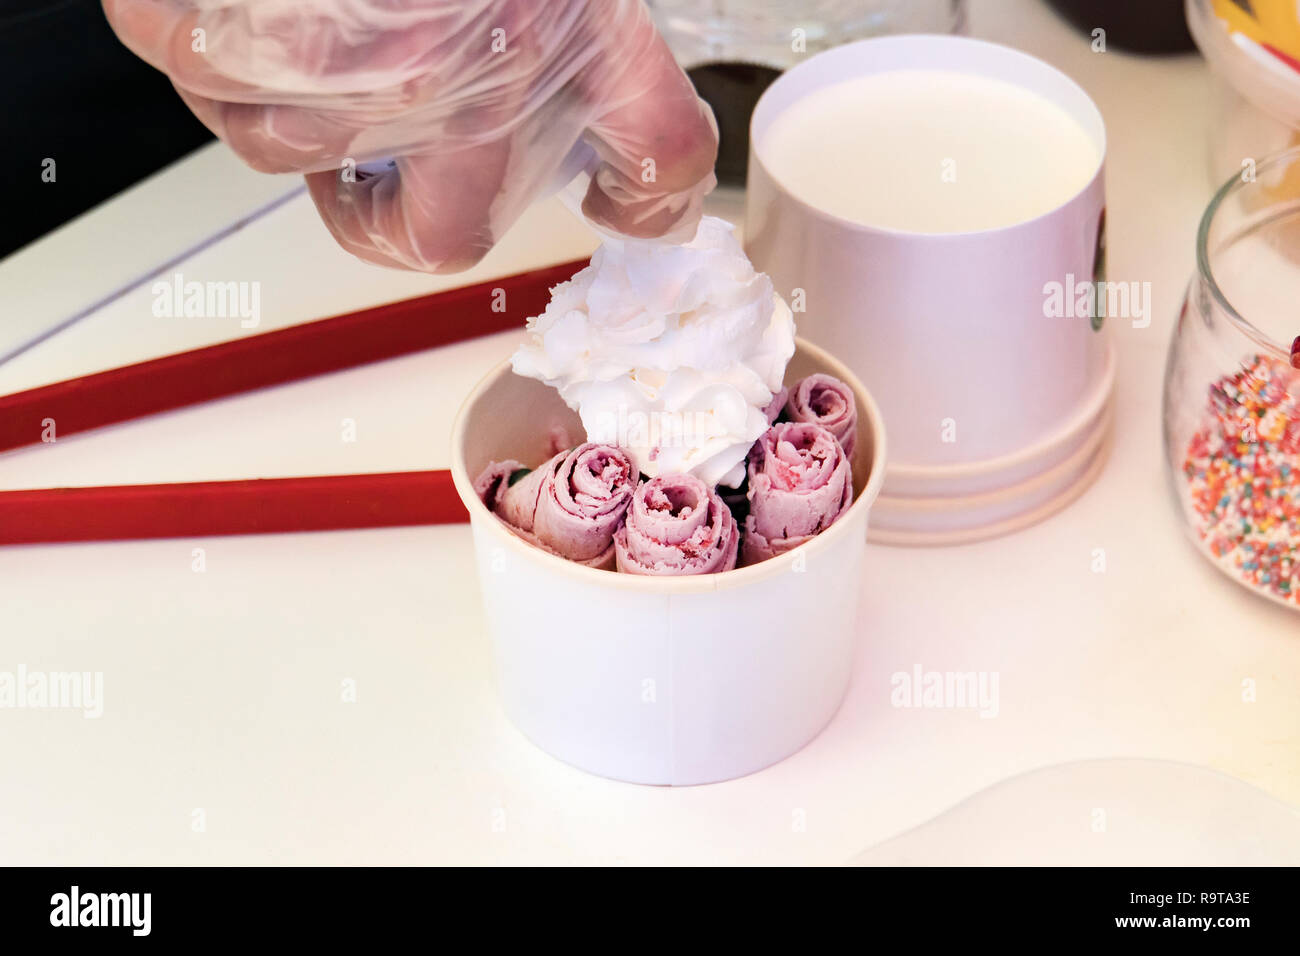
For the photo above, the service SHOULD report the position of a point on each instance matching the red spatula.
(257, 361)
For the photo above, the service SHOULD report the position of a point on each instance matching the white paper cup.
(660, 680)
(981, 390)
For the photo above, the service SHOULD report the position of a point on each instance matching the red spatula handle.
(272, 358)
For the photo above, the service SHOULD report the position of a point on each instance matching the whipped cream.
(670, 352)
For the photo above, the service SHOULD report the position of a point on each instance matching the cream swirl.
(670, 352)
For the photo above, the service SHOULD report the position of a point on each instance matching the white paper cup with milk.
(935, 206)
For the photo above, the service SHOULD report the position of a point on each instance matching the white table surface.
(223, 688)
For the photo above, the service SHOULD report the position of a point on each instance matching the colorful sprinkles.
(1243, 476)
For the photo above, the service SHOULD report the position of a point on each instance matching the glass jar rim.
(1266, 342)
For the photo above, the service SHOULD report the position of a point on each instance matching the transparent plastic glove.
(473, 107)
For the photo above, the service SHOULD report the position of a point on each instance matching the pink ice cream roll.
(569, 506)
(774, 408)
(825, 400)
(800, 482)
(676, 525)
(495, 479)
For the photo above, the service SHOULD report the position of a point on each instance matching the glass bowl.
(1254, 100)
(1232, 395)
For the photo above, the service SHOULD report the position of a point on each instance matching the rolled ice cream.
(800, 482)
(676, 525)
(776, 406)
(571, 505)
(496, 478)
(825, 400)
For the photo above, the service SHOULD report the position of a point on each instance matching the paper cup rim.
(846, 51)
(868, 413)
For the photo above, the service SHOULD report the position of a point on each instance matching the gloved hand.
(477, 102)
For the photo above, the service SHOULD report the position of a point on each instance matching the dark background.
(69, 91)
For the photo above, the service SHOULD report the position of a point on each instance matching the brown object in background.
(732, 89)
(1139, 26)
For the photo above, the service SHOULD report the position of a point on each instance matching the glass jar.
(1232, 393)
(732, 49)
